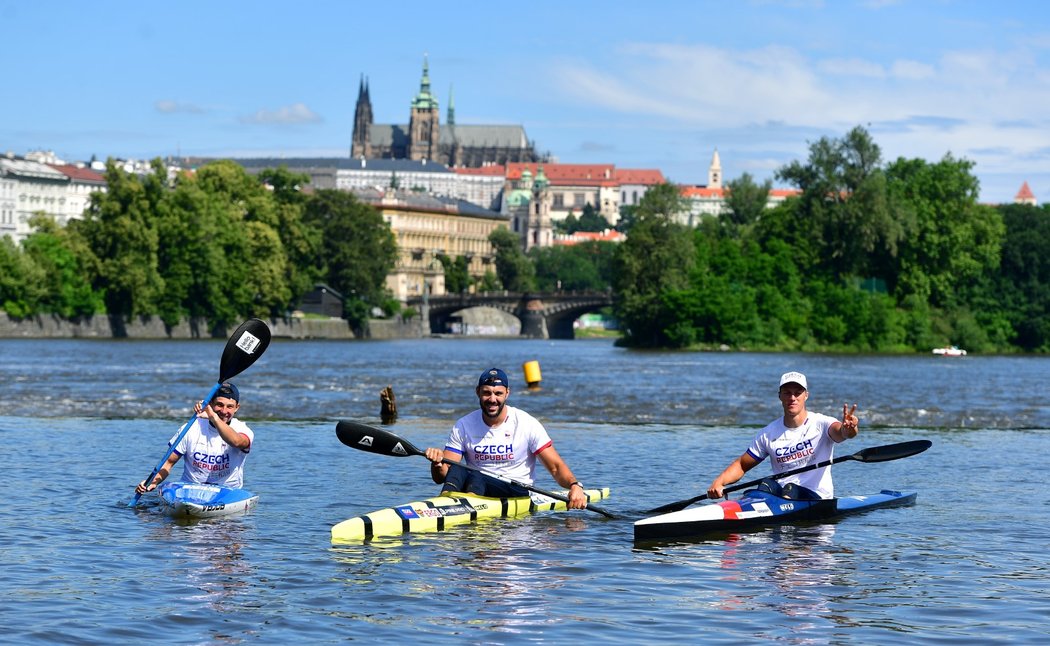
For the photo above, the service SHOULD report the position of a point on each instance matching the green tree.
(64, 261)
(745, 202)
(301, 243)
(457, 273)
(953, 240)
(513, 267)
(591, 220)
(654, 262)
(567, 225)
(357, 253)
(221, 254)
(22, 281)
(118, 228)
(628, 216)
(846, 213)
(1022, 284)
(586, 266)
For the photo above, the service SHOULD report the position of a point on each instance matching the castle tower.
(714, 173)
(539, 231)
(423, 122)
(361, 143)
(1025, 195)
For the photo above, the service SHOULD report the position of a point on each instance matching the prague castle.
(426, 138)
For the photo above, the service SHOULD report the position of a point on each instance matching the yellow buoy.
(532, 373)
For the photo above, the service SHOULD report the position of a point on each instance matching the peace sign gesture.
(849, 422)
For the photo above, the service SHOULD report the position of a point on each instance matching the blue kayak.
(755, 509)
(192, 499)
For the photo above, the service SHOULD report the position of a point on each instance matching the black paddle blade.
(246, 344)
(374, 440)
(889, 452)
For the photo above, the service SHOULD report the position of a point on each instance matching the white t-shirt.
(509, 449)
(206, 457)
(791, 448)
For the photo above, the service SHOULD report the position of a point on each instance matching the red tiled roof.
(1025, 193)
(702, 192)
(79, 174)
(565, 173)
(644, 176)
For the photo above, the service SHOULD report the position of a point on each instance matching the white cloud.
(168, 106)
(292, 114)
(954, 102)
(912, 70)
(852, 67)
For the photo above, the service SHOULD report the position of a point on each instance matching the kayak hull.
(756, 509)
(444, 512)
(195, 500)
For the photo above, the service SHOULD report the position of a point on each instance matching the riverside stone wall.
(54, 327)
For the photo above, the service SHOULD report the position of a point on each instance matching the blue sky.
(638, 84)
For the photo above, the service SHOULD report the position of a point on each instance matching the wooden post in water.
(388, 406)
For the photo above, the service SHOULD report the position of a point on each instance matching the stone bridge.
(542, 315)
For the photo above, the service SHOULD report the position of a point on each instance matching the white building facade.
(28, 187)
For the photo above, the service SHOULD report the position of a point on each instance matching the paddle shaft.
(375, 440)
(871, 454)
(549, 494)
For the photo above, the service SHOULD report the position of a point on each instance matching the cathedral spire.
(425, 100)
(451, 107)
(361, 139)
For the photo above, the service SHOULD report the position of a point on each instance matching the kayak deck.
(444, 512)
(756, 509)
(192, 499)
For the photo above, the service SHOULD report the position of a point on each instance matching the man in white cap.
(797, 439)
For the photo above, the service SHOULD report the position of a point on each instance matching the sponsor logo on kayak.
(408, 512)
(214, 507)
(788, 506)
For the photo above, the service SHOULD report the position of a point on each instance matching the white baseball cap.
(794, 378)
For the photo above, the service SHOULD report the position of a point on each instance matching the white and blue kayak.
(196, 500)
(756, 509)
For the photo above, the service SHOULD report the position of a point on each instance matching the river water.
(83, 420)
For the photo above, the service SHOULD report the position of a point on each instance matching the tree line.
(871, 256)
(217, 244)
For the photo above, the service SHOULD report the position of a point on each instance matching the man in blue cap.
(504, 441)
(215, 446)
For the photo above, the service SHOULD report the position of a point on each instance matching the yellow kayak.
(442, 512)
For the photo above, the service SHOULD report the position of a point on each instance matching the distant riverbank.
(151, 327)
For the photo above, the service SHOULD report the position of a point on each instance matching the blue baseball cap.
(229, 391)
(494, 377)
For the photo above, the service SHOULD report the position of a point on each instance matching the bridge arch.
(543, 315)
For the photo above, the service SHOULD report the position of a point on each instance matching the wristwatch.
(575, 484)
